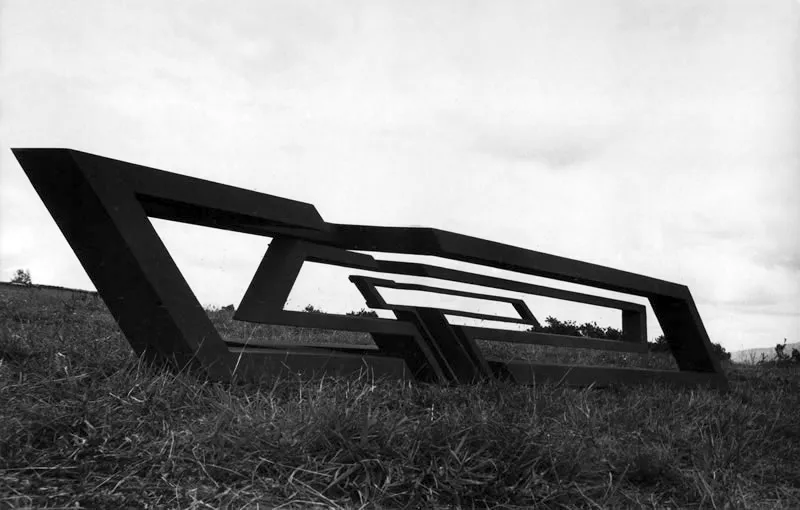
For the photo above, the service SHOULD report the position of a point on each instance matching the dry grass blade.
(96, 427)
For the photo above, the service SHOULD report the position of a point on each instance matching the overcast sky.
(660, 137)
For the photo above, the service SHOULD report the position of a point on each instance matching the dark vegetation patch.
(84, 424)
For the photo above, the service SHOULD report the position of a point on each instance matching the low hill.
(748, 355)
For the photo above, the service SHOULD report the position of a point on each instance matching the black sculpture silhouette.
(102, 207)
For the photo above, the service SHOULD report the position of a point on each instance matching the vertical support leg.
(634, 326)
(270, 287)
(414, 352)
(460, 352)
(685, 334)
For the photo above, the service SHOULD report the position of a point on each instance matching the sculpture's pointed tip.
(30, 151)
(27, 149)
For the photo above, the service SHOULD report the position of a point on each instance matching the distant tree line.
(572, 328)
(591, 329)
(364, 313)
(360, 313)
(552, 325)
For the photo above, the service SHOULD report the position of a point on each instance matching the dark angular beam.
(440, 243)
(272, 283)
(518, 304)
(535, 338)
(270, 288)
(102, 206)
(108, 230)
(672, 303)
(634, 326)
(445, 273)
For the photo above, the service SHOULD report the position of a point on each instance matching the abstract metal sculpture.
(102, 207)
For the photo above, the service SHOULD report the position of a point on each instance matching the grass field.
(83, 424)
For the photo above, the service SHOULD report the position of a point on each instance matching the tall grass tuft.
(86, 424)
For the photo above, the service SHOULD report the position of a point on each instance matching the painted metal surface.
(102, 207)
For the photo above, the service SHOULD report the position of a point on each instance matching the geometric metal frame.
(102, 207)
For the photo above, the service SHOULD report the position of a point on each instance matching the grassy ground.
(84, 425)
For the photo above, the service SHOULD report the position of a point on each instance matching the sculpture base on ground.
(102, 207)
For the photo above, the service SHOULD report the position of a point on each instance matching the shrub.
(571, 328)
(661, 345)
(363, 313)
(22, 276)
(781, 358)
(592, 330)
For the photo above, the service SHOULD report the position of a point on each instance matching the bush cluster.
(22, 276)
(571, 328)
(781, 358)
(661, 345)
(592, 330)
